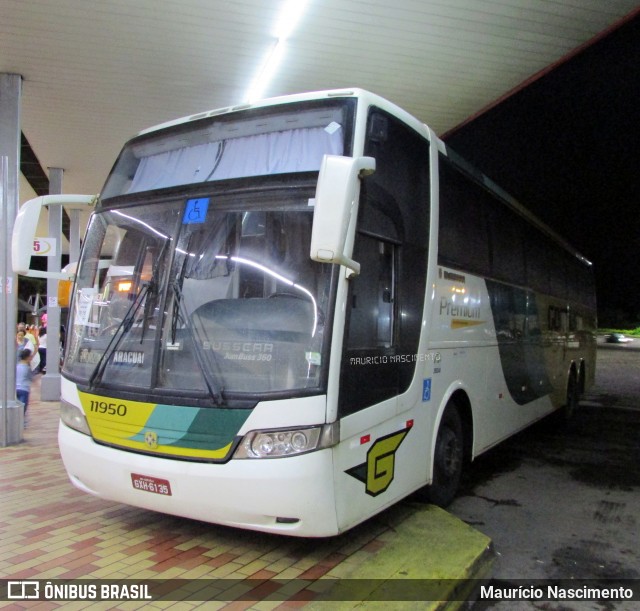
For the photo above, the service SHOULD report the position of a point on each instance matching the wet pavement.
(564, 502)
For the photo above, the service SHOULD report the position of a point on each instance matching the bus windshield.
(208, 298)
(195, 283)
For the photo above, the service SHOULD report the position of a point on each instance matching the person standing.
(42, 350)
(29, 333)
(24, 343)
(24, 377)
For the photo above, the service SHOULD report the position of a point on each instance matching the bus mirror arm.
(335, 205)
(26, 224)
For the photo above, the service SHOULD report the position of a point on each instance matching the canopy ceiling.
(98, 71)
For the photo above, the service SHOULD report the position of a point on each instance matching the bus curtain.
(296, 150)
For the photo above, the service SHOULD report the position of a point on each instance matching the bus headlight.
(287, 442)
(73, 417)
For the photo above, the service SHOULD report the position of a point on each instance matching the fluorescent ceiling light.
(289, 17)
(269, 67)
(288, 20)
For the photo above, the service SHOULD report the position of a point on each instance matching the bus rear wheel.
(447, 460)
(573, 397)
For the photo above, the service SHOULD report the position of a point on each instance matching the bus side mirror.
(336, 201)
(25, 226)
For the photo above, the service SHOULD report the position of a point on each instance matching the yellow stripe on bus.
(462, 323)
(116, 421)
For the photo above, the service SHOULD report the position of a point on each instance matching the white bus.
(290, 315)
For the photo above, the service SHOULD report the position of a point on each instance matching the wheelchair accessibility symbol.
(195, 211)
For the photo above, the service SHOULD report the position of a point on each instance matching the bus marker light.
(365, 439)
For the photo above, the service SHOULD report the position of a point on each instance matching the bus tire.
(582, 379)
(573, 396)
(448, 459)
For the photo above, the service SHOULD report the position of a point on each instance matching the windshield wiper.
(177, 317)
(152, 290)
(147, 290)
(125, 324)
(179, 313)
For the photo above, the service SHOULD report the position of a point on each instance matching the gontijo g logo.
(377, 473)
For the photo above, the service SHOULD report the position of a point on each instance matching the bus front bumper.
(292, 495)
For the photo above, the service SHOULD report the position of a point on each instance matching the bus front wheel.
(447, 460)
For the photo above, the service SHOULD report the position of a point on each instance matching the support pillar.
(11, 417)
(51, 381)
(74, 236)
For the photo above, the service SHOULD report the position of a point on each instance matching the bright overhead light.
(274, 57)
(288, 20)
(289, 17)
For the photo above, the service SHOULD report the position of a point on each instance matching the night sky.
(567, 147)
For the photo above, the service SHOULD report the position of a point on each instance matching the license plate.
(151, 484)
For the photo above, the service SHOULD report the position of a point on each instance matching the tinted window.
(464, 235)
(480, 233)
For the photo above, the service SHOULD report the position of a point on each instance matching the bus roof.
(366, 96)
(372, 99)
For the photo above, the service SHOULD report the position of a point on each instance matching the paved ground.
(565, 503)
(618, 375)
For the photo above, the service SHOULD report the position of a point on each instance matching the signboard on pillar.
(44, 247)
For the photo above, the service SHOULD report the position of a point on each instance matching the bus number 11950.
(113, 409)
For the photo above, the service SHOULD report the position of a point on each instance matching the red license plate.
(151, 484)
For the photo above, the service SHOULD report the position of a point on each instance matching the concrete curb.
(429, 553)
